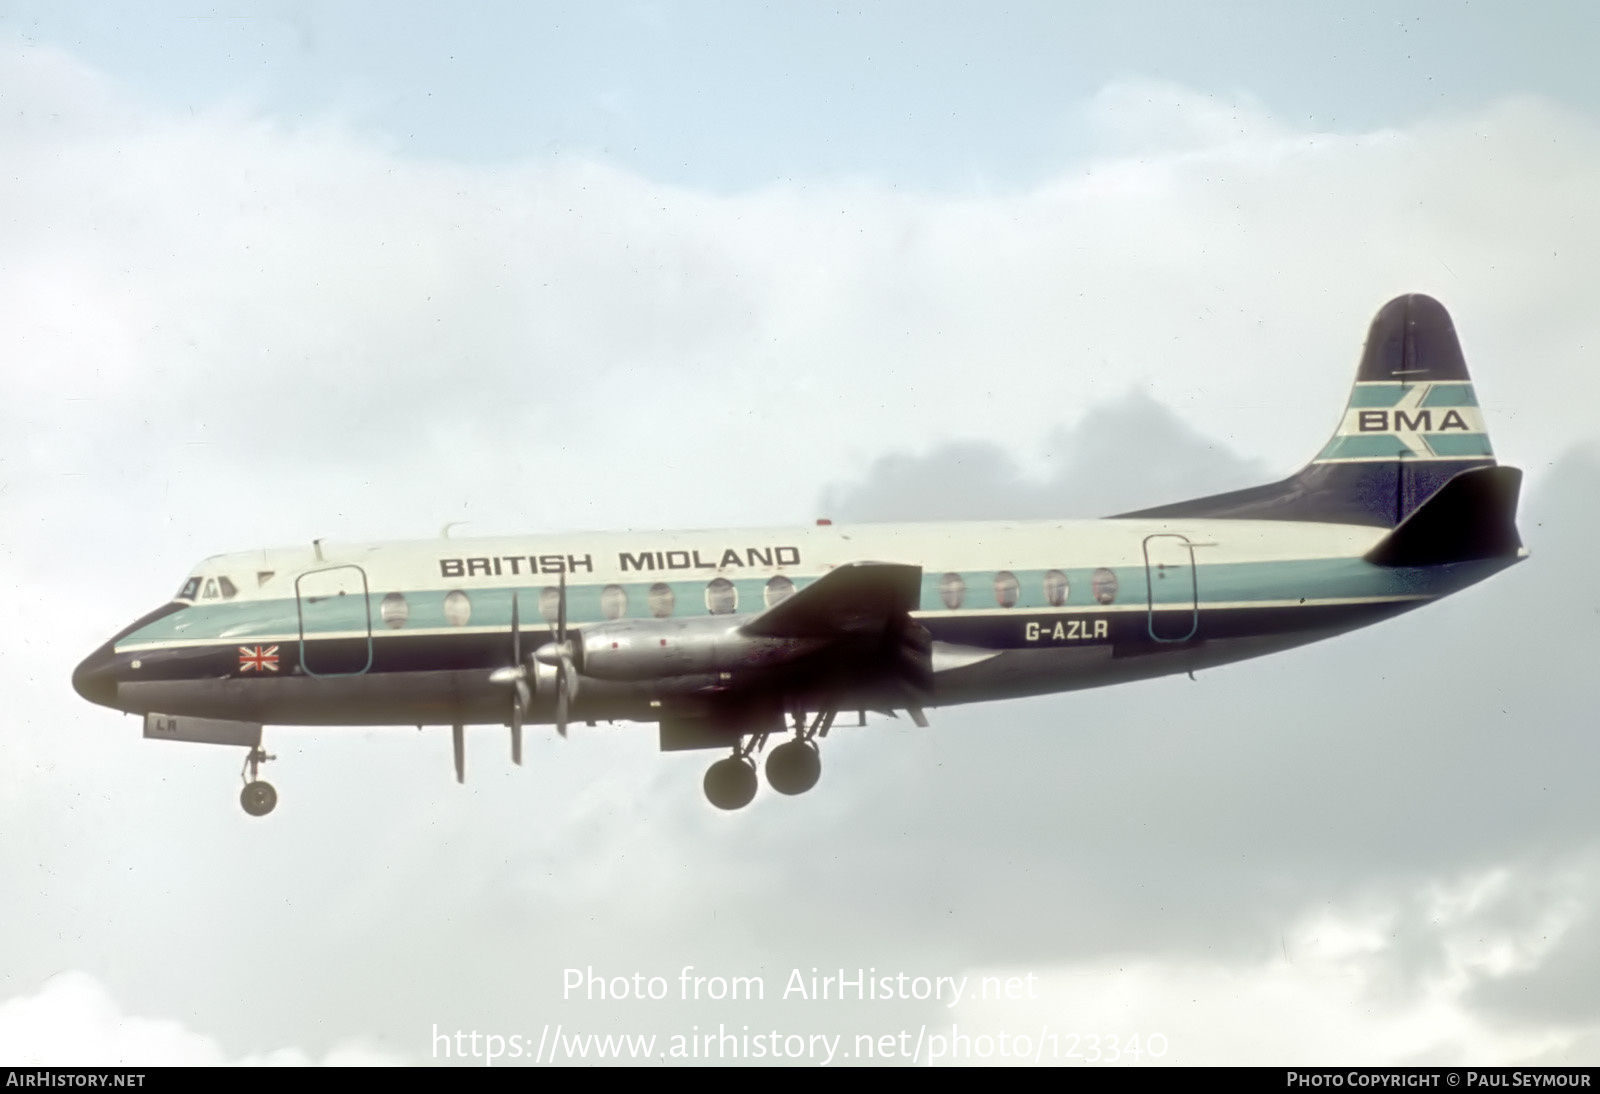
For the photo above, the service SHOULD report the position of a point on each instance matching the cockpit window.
(211, 589)
(190, 588)
(229, 591)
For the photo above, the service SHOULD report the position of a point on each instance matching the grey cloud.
(1560, 989)
(1125, 454)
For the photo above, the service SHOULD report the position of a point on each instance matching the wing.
(853, 600)
(862, 613)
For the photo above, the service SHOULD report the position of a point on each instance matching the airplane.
(726, 639)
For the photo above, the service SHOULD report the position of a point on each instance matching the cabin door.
(335, 621)
(1173, 597)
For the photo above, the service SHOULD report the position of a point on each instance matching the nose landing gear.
(258, 796)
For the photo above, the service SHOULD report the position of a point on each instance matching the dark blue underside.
(1127, 633)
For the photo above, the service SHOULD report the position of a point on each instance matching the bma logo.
(1378, 421)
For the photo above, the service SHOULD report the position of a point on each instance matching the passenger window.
(952, 590)
(457, 608)
(778, 590)
(1006, 589)
(613, 602)
(550, 603)
(661, 600)
(721, 597)
(394, 610)
(1055, 588)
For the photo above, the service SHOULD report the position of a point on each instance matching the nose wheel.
(258, 797)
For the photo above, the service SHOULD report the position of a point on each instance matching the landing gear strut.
(258, 797)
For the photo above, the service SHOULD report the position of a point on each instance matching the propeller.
(559, 654)
(516, 674)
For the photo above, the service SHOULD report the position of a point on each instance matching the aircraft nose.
(95, 678)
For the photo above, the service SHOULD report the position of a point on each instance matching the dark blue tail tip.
(1412, 340)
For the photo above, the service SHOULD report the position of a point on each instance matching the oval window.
(661, 600)
(550, 603)
(457, 608)
(394, 610)
(1006, 589)
(613, 602)
(952, 590)
(1105, 585)
(778, 590)
(1055, 588)
(721, 597)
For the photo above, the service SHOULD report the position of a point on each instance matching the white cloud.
(73, 1021)
(194, 306)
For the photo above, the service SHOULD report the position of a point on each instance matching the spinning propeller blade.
(515, 674)
(559, 655)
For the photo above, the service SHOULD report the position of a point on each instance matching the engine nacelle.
(648, 649)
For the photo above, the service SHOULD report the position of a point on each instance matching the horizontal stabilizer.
(1473, 516)
(858, 598)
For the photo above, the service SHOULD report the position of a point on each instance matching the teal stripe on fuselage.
(1305, 580)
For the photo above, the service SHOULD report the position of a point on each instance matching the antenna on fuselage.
(444, 533)
(316, 545)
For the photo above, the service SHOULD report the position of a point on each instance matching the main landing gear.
(258, 797)
(792, 768)
(731, 783)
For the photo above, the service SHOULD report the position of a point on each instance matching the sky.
(272, 272)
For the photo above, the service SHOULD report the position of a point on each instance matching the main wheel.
(258, 798)
(731, 783)
(794, 767)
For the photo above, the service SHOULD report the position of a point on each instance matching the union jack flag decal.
(258, 659)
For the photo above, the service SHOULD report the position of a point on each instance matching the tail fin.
(1412, 425)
